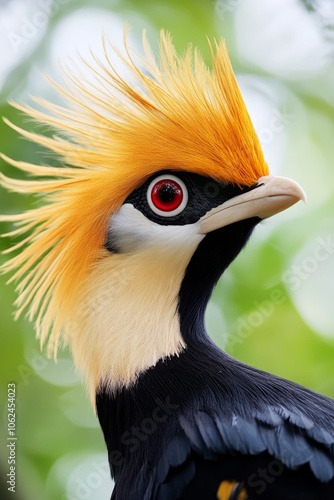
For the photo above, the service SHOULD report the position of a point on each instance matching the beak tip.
(300, 193)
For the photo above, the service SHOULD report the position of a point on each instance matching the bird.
(157, 184)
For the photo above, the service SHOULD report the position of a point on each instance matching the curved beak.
(271, 196)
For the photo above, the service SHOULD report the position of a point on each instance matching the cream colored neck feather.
(128, 320)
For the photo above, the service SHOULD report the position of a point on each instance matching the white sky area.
(282, 37)
(18, 35)
(81, 35)
(23, 24)
(309, 280)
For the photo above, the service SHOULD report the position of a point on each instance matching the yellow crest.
(173, 113)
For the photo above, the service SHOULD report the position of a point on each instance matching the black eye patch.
(204, 194)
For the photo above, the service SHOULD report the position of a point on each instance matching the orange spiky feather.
(175, 113)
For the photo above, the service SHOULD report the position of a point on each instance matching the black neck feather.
(213, 255)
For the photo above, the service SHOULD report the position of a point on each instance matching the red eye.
(167, 195)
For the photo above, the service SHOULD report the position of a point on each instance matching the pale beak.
(271, 196)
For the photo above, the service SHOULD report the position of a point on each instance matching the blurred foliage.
(254, 312)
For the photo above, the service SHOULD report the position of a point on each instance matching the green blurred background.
(274, 306)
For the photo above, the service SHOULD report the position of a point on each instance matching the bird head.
(161, 183)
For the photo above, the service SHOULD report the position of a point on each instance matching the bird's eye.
(167, 195)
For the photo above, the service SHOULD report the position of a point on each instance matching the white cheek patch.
(128, 319)
(129, 231)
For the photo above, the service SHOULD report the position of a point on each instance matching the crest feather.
(172, 112)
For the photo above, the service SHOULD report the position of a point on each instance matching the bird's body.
(202, 418)
(166, 183)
